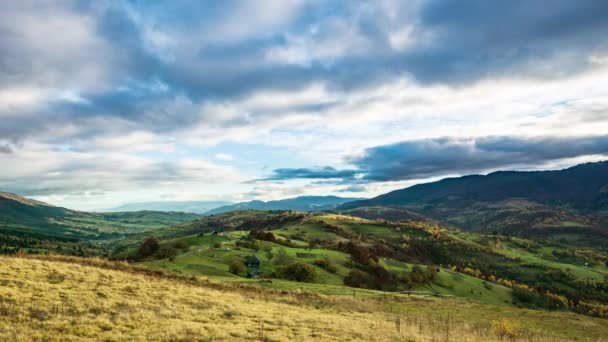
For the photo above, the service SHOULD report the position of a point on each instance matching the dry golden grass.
(74, 299)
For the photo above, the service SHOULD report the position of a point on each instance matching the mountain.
(23, 218)
(197, 207)
(531, 202)
(302, 203)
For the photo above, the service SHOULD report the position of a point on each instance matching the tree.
(326, 264)
(282, 258)
(268, 250)
(298, 271)
(237, 267)
(149, 246)
(356, 278)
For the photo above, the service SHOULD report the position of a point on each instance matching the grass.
(83, 299)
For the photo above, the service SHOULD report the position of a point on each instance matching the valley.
(500, 268)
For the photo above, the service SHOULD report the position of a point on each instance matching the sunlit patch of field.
(78, 299)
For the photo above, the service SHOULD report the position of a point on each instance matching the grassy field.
(518, 259)
(59, 298)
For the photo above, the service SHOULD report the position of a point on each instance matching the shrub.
(237, 267)
(149, 247)
(217, 245)
(533, 299)
(167, 252)
(297, 271)
(282, 258)
(262, 235)
(326, 264)
(356, 278)
(255, 245)
(505, 329)
(181, 244)
(376, 277)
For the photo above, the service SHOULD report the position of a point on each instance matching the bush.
(376, 277)
(217, 245)
(262, 235)
(181, 244)
(537, 300)
(167, 252)
(237, 267)
(255, 245)
(149, 247)
(282, 258)
(356, 278)
(505, 329)
(326, 264)
(297, 271)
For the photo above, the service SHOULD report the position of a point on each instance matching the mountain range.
(570, 203)
(197, 207)
(302, 203)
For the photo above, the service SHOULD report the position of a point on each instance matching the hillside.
(196, 207)
(87, 299)
(303, 203)
(376, 254)
(570, 203)
(25, 222)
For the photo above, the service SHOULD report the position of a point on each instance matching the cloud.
(36, 170)
(117, 54)
(327, 172)
(224, 156)
(322, 80)
(354, 188)
(437, 157)
(6, 147)
(421, 159)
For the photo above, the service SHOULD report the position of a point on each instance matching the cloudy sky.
(108, 102)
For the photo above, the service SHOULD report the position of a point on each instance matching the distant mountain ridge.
(196, 207)
(583, 187)
(569, 204)
(302, 203)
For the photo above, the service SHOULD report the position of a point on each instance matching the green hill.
(25, 222)
(492, 269)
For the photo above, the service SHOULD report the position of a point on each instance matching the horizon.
(111, 103)
(352, 198)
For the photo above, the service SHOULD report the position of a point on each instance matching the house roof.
(252, 259)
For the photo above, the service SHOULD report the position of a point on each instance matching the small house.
(253, 264)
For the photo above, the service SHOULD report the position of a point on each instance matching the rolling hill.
(25, 218)
(302, 203)
(492, 269)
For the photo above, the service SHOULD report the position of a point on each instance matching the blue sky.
(109, 102)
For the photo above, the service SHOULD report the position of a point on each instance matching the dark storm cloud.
(447, 156)
(475, 39)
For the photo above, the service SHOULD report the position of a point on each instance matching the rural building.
(253, 264)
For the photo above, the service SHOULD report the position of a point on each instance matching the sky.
(109, 102)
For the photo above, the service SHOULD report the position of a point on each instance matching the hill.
(302, 203)
(377, 254)
(571, 202)
(89, 299)
(28, 223)
(196, 207)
